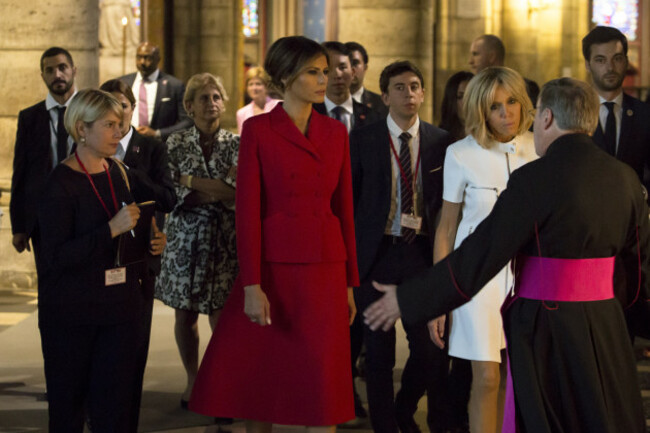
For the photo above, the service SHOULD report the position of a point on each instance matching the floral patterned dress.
(199, 263)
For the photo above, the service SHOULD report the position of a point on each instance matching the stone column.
(27, 28)
(208, 38)
(391, 30)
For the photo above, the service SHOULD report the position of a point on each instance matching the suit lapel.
(627, 126)
(161, 93)
(43, 126)
(317, 131)
(384, 155)
(132, 154)
(358, 114)
(426, 152)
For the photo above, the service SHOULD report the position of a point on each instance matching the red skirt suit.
(295, 237)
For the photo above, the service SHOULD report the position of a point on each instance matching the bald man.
(159, 96)
(488, 50)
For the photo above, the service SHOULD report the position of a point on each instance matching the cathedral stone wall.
(208, 38)
(27, 28)
(391, 30)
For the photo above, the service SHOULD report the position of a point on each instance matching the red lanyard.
(110, 183)
(401, 169)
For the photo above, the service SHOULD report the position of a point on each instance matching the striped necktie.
(406, 185)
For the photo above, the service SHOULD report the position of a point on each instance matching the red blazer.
(294, 195)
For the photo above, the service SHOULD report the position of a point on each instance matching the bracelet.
(189, 181)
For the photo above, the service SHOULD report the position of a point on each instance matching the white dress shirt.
(124, 144)
(358, 94)
(152, 87)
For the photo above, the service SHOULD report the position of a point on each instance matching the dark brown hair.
(120, 87)
(287, 56)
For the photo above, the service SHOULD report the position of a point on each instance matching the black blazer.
(634, 141)
(147, 160)
(32, 164)
(373, 101)
(361, 114)
(372, 183)
(168, 113)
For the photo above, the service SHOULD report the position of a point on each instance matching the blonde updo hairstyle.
(200, 81)
(87, 106)
(479, 95)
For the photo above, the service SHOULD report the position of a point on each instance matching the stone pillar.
(459, 23)
(392, 30)
(208, 38)
(27, 28)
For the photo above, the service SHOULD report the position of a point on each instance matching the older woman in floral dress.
(200, 262)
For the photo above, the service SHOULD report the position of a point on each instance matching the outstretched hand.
(384, 312)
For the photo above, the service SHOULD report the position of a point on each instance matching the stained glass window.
(622, 14)
(136, 8)
(250, 17)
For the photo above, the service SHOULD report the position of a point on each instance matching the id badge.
(411, 221)
(115, 276)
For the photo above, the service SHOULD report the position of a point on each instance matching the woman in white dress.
(498, 114)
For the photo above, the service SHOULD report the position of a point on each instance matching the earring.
(191, 114)
(83, 140)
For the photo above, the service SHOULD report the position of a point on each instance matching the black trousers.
(143, 336)
(427, 366)
(89, 370)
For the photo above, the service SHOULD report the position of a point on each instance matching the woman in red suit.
(281, 353)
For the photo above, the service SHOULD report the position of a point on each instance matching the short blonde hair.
(479, 95)
(200, 81)
(259, 73)
(87, 106)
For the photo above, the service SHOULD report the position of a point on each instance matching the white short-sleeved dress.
(475, 176)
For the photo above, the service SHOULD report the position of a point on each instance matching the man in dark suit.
(395, 224)
(147, 161)
(359, 62)
(159, 96)
(338, 103)
(625, 133)
(41, 143)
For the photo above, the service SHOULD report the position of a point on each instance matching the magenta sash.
(556, 280)
(566, 280)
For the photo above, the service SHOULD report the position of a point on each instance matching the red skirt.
(295, 371)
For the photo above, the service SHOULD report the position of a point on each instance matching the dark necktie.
(338, 113)
(610, 129)
(61, 137)
(406, 184)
